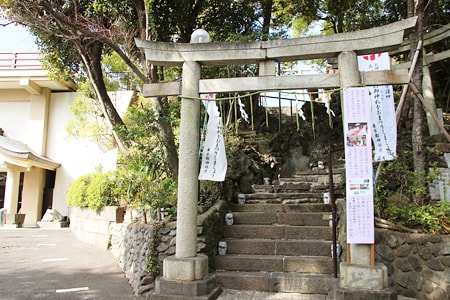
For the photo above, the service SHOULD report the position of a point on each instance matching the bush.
(431, 218)
(135, 189)
(77, 195)
(102, 191)
(395, 193)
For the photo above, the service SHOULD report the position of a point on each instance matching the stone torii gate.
(186, 274)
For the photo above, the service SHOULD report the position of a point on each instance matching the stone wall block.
(426, 252)
(435, 265)
(446, 248)
(395, 241)
(403, 264)
(415, 262)
(385, 252)
(447, 276)
(429, 286)
(403, 250)
(445, 260)
(435, 238)
(415, 280)
(170, 251)
(429, 275)
(436, 249)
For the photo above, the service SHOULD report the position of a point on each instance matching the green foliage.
(120, 187)
(138, 190)
(146, 153)
(88, 123)
(118, 76)
(431, 218)
(153, 265)
(77, 195)
(399, 178)
(103, 191)
(396, 190)
(94, 191)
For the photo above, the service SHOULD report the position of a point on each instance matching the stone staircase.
(280, 240)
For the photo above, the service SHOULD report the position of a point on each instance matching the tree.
(61, 28)
(93, 28)
(416, 38)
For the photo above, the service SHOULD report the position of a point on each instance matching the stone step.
(279, 247)
(271, 218)
(283, 198)
(321, 178)
(278, 232)
(306, 207)
(336, 171)
(274, 263)
(292, 188)
(277, 282)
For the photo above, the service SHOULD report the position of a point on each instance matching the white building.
(38, 161)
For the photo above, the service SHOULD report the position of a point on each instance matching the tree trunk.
(166, 130)
(92, 56)
(418, 121)
(267, 16)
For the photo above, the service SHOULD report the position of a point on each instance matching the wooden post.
(372, 255)
(349, 258)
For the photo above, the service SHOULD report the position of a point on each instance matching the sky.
(16, 39)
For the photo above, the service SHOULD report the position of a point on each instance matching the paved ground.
(53, 264)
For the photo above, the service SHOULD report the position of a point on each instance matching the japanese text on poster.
(358, 166)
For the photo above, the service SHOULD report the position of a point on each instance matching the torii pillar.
(185, 275)
(360, 275)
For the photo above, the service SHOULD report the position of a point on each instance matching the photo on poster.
(357, 134)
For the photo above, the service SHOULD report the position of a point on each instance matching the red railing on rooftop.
(20, 60)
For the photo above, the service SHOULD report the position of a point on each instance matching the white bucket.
(222, 248)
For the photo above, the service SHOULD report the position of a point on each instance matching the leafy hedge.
(134, 189)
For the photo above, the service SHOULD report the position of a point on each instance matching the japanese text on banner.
(383, 125)
(214, 160)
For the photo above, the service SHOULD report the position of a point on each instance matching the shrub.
(77, 195)
(431, 218)
(135, 189)
(101, 191)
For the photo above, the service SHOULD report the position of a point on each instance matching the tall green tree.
(76, 34)
(417, 8)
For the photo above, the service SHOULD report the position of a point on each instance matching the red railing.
(20, 60)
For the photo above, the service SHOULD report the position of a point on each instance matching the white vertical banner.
(384, 125)
(214, 159)
(358, 166)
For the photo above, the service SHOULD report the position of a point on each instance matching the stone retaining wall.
(92, 227)
(418, 264)
(131, 245)
(141, 248)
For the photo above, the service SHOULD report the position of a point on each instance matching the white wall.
(76, 156)
(14, 118)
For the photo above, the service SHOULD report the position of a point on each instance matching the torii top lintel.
(378, 39)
